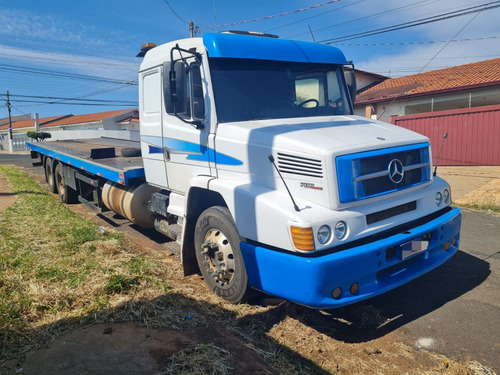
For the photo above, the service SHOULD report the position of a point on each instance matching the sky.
(75, 57)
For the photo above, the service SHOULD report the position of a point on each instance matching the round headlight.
(340, 230)
(446, 195)
(439, 198)
(324, 234)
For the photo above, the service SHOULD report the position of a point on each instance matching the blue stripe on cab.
(193, 151)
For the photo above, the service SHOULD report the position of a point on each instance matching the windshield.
(256, 89)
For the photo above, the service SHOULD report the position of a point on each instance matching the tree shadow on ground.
(146, 337)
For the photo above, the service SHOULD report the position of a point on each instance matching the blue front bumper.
(376, 266)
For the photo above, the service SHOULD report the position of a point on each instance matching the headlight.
(446, 196)
(340, 230)
(324, 234)
(438, 198)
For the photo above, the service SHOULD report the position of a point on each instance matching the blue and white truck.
(252, 160)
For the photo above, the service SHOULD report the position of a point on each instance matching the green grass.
(482, 207)
(56, 269)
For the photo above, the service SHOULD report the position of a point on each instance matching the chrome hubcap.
(219, 257)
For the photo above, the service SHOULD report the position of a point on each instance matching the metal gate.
(473, 134)
(18, 142)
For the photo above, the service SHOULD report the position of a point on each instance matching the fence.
(473, 134)
(18, 142)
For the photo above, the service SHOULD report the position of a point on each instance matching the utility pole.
(191, 29)
(11, 146)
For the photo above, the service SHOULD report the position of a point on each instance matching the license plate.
(412, 248)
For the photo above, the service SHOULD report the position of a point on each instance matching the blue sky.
(56, 48)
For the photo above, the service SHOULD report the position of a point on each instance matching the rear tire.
(67, 194)
(49, 176)
(217, 245)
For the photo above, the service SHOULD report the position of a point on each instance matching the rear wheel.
(217, 245)
(49, 176)
(67, 194)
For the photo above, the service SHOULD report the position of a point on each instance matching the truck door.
(150, 106)
(185, 139)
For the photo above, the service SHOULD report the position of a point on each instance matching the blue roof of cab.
(263, 48)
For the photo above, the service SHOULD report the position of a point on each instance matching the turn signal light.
(336, 293)
(303, 238)
(354, 289)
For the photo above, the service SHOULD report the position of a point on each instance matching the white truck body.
(250, 148)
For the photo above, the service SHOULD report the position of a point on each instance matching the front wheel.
(217, 245)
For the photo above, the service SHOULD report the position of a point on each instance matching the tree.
(39, 136)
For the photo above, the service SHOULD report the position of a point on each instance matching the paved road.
(454, 310)
(467, 324)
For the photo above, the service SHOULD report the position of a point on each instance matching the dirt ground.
(7, 198)
(318, 342)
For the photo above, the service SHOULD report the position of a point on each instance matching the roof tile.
(47, 122)
(482, 73)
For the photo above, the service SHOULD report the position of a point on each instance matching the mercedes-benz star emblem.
(396, 171)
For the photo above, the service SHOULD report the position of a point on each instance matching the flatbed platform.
(86, 155)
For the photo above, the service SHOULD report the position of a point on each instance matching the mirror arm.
(197, 124)
(352, 92)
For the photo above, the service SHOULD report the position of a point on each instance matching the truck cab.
(274, 184)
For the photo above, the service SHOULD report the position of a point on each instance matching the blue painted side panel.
(122, 177)
(310, 281)
(253, 47)
(193, 151)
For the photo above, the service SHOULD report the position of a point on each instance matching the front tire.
(217, 245)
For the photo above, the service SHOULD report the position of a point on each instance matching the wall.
(432, 103)
(86, 134)
(473, 134)
(19, 139)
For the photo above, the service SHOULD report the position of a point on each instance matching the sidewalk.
(473, 185)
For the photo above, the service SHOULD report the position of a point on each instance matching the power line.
(438, 52)
(453, 37)
(65, 98)
(414, 43)
(174, 12)
(53, 73)
(422, 21)
(82, 104)
(376, 15)
(270, 17)
(316, 15)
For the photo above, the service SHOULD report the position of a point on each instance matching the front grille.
(299, 165)
(391, 212)
(377, 185)
(368, 174)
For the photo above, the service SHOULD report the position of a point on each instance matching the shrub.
(39, 136)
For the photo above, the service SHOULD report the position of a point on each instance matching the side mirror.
(198, 103)
(174, 88)
(183, 92)
(350, 80)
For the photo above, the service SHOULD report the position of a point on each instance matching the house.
(124, 119)
(122, 123)
(464, 86)
(366, 80)
(461, 102)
